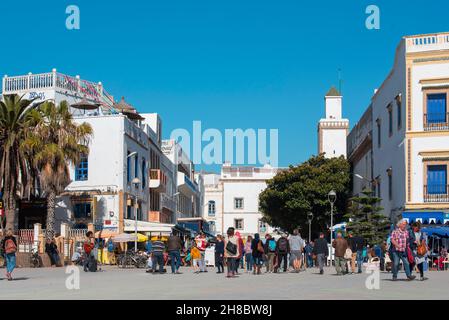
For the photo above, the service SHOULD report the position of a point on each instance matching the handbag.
(410, 257)
(231, 247)
(348, 254)
(422, 249)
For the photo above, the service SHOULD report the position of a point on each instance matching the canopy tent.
(442, 232)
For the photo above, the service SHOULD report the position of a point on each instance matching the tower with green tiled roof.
(333, 129)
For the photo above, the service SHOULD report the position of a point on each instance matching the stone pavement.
(115, 283)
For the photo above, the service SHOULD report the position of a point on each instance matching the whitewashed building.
(213, 201)
(241, 188)
(333, 129)
(410, 132)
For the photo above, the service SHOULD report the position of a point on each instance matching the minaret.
(332, 130)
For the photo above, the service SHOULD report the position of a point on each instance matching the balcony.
(436, 193)
(436, 121)
(187, 186)
(158, 180)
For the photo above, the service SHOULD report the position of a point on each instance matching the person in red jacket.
(88, 246)
(201, 243)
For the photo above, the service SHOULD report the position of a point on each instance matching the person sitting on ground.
(77, 257)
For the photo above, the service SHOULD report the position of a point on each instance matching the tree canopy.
(295, 192)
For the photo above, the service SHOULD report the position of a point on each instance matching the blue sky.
(231, 64)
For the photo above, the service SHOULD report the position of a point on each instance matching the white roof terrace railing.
(55, 80)
(427, 42)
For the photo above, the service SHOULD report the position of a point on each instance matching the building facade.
(333, 129)
(410, 131)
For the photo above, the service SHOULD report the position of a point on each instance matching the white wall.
(334, 142)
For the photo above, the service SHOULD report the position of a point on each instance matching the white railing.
(428, 42)
(56, 80)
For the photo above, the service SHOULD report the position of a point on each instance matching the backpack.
(231, 247)
(10, 246)
(272, 245)
(283, 245)
(260, 247)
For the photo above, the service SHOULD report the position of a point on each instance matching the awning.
(426, 217)
(437, 231)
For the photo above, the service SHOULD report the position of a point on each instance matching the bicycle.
(132, 259)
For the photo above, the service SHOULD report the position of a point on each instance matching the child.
(195, 255)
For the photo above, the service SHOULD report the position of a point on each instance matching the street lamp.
(135, 182)
(332, 197)
(310, 218)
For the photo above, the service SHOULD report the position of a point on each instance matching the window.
(129, 212)
(379, 141)
(139, 212)
(399, 110)
(81, 170)
(378, 187)
(436, 108)
(437, 179)
(82, 210)
(128, 167)
(136, 166)
(144, 176)
(238, 203)
(390, 121)
(211, 208)
(262, 226)
(238, 224)
(390, 184)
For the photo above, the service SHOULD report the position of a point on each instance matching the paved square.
(115, 283)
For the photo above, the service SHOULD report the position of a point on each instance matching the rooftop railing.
(56, 80)
(428, 42)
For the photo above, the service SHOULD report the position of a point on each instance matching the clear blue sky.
(229, 63)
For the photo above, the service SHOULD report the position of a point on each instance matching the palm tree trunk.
(10, 209)
(51, 204)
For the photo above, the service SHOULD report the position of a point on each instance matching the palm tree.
(55, 143)
(17, 118)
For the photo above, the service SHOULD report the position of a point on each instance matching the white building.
(410, 125)
(333, 130)
(213, 201)
(241, 187)
(125, 146)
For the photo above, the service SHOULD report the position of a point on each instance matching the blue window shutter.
(436, 108)
(128, 168)
(436, 179)
(136, 166)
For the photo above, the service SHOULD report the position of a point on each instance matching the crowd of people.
(405, 244)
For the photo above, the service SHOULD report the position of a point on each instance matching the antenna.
(339, 80)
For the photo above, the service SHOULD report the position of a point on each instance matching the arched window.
(211, 208)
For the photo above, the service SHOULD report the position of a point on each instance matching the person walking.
(9, 246)
(239, 260)
(201, 243)
(88, 246)
(340, 244)
(309, 254)
(399, 239)
(258, 252)
(174, 246)
(296, 244)
(52, 250)
(249, 254)
(419, 248)
(321, 251)
(158, 248)
(270, 251)
(356, 244)
(219, 254)
(231, 252)
(282, 252)
(195, 255)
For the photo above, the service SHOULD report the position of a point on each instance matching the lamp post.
(136, 183)
(332, 197)
(310, 218)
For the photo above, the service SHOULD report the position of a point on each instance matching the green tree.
(301, 189)
(17, 118)
(55, 143)
(366, 218)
